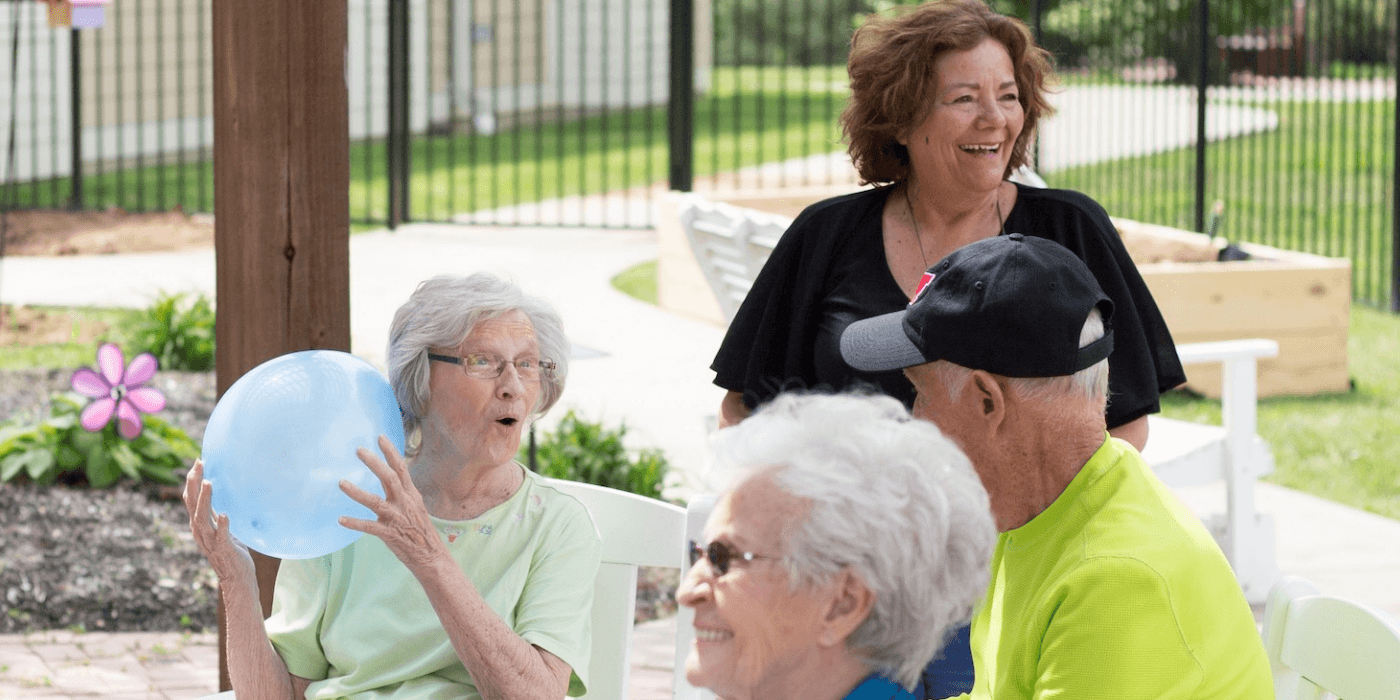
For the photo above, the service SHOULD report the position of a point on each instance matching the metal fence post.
(1395, 201)
(1201, 81)
(680, 109)
(75, 82)
(398, 143)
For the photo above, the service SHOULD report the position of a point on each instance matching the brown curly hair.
(892, 78)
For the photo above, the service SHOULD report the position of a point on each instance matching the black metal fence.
(1290, 113)
(112, 117)
(558, 112)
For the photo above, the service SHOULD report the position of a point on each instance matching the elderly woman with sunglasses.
(850, 542)
(478, 579)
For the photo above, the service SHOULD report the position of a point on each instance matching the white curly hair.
(891, 498)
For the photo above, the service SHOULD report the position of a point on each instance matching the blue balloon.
(283, 436)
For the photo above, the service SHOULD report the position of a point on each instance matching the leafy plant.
(581, 450)
(177, 328)
(56, 447)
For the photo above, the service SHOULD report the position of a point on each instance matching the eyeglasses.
(720, 554)
(483, 366)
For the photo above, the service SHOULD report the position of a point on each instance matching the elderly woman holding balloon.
(477, 578)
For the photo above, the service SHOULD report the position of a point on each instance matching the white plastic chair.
(1321, 646)
(636, 531)
(1185, 454)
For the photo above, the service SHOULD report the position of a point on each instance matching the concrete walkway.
(633, 363)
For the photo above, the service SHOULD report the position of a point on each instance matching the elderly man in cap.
(1103, 584)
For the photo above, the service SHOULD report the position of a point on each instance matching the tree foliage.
(1099, 35)
(786, 32)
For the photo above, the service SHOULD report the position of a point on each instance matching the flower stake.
(118, 391)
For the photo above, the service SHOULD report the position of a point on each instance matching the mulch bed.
(111, 560)
(122, 559)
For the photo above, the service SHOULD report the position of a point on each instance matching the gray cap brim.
(879, 344)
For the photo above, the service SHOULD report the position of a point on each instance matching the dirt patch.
(57, 232)
(26, 326)
(51, 232)
(1149, 244)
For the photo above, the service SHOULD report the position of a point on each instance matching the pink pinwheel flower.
(118, 391)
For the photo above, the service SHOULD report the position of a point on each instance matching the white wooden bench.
(732, 243)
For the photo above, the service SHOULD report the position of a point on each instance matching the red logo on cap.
(923, 284)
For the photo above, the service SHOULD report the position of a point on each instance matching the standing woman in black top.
(945, 98)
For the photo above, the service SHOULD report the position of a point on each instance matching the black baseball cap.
(1011, 305)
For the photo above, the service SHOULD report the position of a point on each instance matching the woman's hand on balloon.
(403, 522)
(226, 554)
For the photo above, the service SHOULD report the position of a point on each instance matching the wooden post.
(281, 192)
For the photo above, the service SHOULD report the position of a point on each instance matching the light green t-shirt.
(1115, 591)
(360, 625)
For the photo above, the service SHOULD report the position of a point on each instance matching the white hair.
(442, 312)
(891, 498)
(1090, 382)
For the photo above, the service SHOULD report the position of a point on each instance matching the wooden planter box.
(1302, 301)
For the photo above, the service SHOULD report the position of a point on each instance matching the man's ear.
(990, 397)
(851, 601)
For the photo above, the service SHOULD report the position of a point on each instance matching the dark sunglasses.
(720, 554)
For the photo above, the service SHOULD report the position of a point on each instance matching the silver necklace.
(919, 236)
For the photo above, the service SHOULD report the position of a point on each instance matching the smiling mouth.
(712, 635)
(979, 149)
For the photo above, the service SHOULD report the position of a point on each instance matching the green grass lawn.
(748, 117)
(1341, 447)
(638, 282)
(1322, 182)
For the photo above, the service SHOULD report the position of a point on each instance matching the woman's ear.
(851, 601)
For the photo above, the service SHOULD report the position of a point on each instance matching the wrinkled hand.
(403, 523)
(227, 555)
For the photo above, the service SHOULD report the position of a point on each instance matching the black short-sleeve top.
(829, 270)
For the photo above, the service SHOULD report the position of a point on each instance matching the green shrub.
(178, 329)
(57, 447)
(581, 450)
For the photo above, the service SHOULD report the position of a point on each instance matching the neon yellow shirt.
(360, 625)
(1115, 591)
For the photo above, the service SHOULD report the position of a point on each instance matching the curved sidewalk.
(632, 362)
